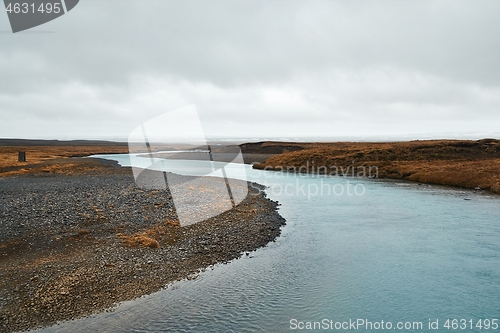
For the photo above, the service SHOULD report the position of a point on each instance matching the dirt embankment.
(462, 163)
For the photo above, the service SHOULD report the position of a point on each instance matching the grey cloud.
(278, 63)
(241, 42)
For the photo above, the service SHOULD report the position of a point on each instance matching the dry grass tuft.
(8, 244)
(171, 222)
(152, 236)
(138, 240)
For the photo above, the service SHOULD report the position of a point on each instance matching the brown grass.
(150, 236)
(51, 159)
(8, 243)
(37, 154)
(171, 222)
(138, 240)
(462, 163)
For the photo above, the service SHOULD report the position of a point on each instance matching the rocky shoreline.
(73, 245)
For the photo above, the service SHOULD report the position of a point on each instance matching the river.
(354, 250)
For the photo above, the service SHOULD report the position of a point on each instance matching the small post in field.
(22, 156)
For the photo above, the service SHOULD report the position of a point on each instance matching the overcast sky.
(358, 69)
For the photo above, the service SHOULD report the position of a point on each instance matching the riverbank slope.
(461, 163)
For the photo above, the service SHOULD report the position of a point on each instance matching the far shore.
(460, 163)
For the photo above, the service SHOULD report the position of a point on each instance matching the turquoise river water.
(356, 255)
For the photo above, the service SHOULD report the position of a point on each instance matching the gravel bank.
(61, 258)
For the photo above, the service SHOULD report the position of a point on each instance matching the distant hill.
(30, 142)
